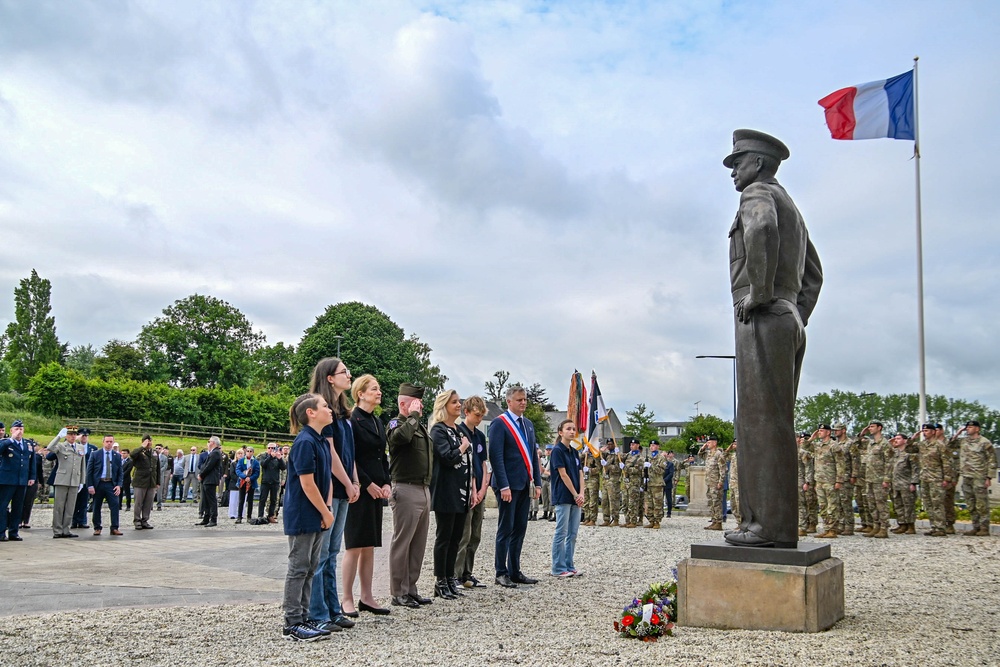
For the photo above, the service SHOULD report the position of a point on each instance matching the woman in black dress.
(451, 486)
(363, 530)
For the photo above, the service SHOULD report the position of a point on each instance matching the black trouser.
(668, 493)
(450, 526)
(268, 490)
(126, 496)
(29, 499)
(244, 494)
(210, 502)
(80, 513)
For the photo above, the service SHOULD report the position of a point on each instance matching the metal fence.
(99, 426)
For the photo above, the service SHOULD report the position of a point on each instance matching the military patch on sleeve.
(393, 423)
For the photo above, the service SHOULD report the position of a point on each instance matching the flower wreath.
(652, 614)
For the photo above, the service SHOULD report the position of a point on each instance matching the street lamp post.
(338, 339)
(725, 356)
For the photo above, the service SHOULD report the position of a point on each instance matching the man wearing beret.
(978, 467)
(17, 473)
(776, 277)
(410, 467)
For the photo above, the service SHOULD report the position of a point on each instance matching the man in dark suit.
(209, 475)
(514, 458)
(16, 474)
(104, 482)
(668, 482)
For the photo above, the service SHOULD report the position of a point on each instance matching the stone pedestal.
(729, 587)
(697, 492)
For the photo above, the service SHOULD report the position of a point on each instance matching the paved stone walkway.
(148, 568)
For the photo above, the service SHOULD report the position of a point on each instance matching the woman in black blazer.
(363, 527)
(451, 486)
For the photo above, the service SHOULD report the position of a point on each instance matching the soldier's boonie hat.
(754, 141)
(16, 423)
(823, 427)
(972, 422)
(875, 422)
(413, 391)
(839, 425)
(928, 425)
(71, 430)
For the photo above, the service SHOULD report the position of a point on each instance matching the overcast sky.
(524, 185)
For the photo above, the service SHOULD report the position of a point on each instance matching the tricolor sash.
(521, 444)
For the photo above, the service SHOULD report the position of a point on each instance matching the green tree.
(897, 412)
(31, 337)
(273, 367)
(640, 424)
(536, 394)
(81, 358)
(200, 341)
(543, 431)
(370, 343)
(120, 360)
(699, 428)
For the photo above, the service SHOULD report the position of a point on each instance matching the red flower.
(654, 619)
(627, 621)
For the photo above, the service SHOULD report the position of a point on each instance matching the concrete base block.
(760, 596)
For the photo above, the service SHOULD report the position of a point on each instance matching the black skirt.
(363, 527)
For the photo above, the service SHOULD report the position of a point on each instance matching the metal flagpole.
(920, 251)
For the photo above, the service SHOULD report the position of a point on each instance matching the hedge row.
(56, 390)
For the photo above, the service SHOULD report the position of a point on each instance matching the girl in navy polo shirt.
(307, 511)
(566, 480)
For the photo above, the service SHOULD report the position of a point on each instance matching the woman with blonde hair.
(363, 531)
(451, 489)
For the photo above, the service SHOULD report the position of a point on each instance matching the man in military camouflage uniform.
(656, 466)
(830, 469)
(860, 488)
(635, 473)
(807, 484)
(846, 493)
(611, 500)
(954, 448)
(878, 480)
(592, 486)
(935, 466)
(905, 476)
(546, 500)
(978, 466)
(734, 481)
(715, 473)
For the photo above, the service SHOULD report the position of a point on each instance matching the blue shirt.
(310, 455)
(343, 441)
(479, 451)
(564, 457)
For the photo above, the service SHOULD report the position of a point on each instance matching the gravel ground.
(909, 600)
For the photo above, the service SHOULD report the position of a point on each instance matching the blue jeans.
(324, 604)
(564, 539)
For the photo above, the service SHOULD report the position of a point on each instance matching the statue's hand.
(744, 307)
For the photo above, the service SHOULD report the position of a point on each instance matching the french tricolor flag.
(876, 110)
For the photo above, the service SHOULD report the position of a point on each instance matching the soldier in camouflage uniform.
(935, 468)
(878, 479)
(830, 469)
(635, 473)
(978, 466)
(846, 493)
(612, 464)
(905, 477)
(807, 484)
(656, 467)
(860, 489)
(949, 493)
(592, 487)
(543, 462)
(734, 482)
(715, 473)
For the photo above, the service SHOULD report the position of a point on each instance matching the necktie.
(107, 464)
(524, 434)
(192, 462)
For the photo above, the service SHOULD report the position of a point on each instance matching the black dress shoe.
(83, 525)
(378, 611)
(521, 579)
(442, 590)
(455, 586)
(405, 601)
(3, 538)
(351, 614)
(475, 582)
(71, 535)
(15, 538)
(342, 621)
(202, 523)
(210, 524)
(505, 581)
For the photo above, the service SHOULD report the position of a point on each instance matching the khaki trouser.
(62, 511)
(471, 537)
(411, 517)
(143, 505)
